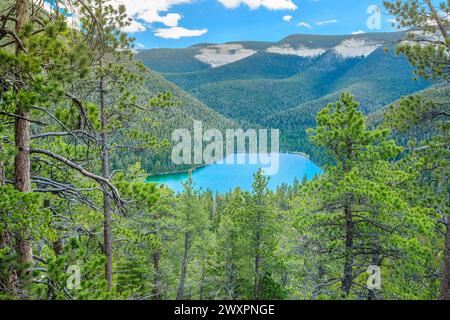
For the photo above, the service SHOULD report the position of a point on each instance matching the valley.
(284, 85)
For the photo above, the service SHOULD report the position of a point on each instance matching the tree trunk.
(437, 18)
(25, 255)
(201, 291)
(180, 293)
(22, 165)
(107, 239)
(349, 235)
(230, 282)
(2, 167)
(58, 247)
(445, 292)
(257, 289)
(21, 18)
(107, 236)
(156, 291)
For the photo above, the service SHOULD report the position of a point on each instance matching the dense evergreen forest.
(78, 221)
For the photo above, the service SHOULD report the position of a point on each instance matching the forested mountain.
(182, 115)
(285, 84)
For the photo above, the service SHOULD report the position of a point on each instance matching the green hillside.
(262, 65)
(254, 97)
(170, 119)
(171, 60)
(438, 94)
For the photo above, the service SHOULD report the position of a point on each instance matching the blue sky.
(181, 23)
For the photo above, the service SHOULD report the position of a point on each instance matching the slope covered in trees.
(181, 115)
(296, 70)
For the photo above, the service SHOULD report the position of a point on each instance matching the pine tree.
(261, 229)
(43, 59)
(359, 210)
(35, 56)
(192, 222)
(428, 43)
(428, 50)
(118, 93)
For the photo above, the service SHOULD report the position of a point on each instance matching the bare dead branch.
(8, 114)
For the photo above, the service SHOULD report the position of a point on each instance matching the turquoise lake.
(224, 177)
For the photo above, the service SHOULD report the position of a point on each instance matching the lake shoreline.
(298, 153)
(224, 178)
(178, 172)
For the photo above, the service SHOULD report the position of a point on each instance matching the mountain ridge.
(157, 59)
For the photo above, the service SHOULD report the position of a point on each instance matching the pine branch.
(105, 183)
(8, 114)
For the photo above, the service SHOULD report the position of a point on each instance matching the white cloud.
(287, 18)
(148, 10)
(140, 45)
(170, 19)
(179, 32)
(134, 27)
(46, 6)
(151, 11)
(321, 23)
(72, 19)
(304, 24)
(255, 4)
(358, 32)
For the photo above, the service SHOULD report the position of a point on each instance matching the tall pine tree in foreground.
(50, 93)
(428, 50)
(357, 216)
(39, 61)
(116, 90)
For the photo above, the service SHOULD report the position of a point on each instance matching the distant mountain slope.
(261, 65)
(172, 60)
(256, 98)
(438, 93)
(283, 85)
(331, 41)
(170, 119)
(253, 80)
(293, 123)
(185, 60)
(259, 95)
(190, 107)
